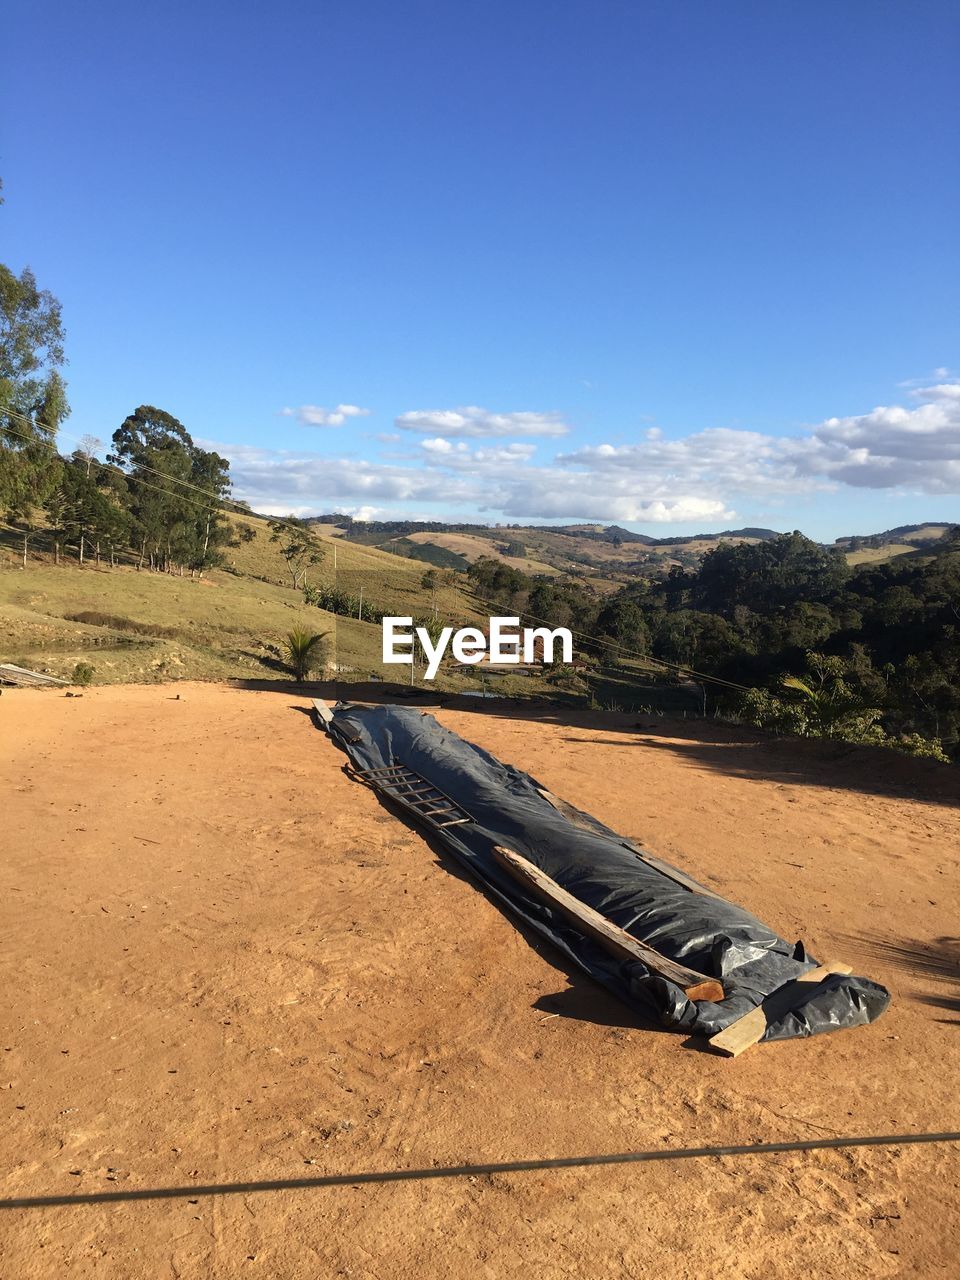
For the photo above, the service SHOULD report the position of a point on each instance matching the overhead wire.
(212, 501)
(679, 668)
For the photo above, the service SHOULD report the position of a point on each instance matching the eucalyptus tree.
(33, 400)
(175, 491)
(298, 546)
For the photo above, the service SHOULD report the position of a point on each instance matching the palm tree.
(305, 651)
(833, 709)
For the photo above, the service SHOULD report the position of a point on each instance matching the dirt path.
(223, 960)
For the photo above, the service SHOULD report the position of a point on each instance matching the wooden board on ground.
(696, 986)
(21, 676)
(749, 1029)
(322, 710)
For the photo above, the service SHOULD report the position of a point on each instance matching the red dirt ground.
(223, 960)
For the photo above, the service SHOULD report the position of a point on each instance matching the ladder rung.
(411, 789)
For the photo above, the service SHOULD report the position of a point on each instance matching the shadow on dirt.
(584, 1000)
(735, 751)
(938, 961)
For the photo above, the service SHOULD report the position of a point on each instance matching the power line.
(635, 653)
(212, 501)
(472, 1170)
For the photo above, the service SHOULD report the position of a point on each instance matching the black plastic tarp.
(700, 930)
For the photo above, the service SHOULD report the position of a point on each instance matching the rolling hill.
(142, 626)
(609, 556)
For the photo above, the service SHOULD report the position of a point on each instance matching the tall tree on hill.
(623, 621)
(174, 491)
(95, 516)
(83, 510)
(59, 516)
(298, 546)
(153, 447)
(33, 399)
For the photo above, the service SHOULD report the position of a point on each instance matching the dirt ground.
(223, 960)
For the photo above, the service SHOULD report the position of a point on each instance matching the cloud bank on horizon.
(694, 478)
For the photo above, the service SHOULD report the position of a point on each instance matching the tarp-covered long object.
(487, 805)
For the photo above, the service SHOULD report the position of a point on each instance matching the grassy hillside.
(472, 547)
(134, 626)
(876, 555)
(587, 552)
(231, 623)
(610, 558)
(906, 540)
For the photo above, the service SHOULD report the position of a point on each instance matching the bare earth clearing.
(224, 960)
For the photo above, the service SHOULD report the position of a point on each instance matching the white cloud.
(940, 374)
(496, 480)
(893, 447)
(718, 460)
(544, 494)
(473, 421)
(691, 480)
(442, 448)
(365, 513)
(458, 454)
(914, 448)
(287, 482)
(314, 415)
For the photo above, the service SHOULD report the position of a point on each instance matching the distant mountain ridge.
(930, 530)
(609, 555)
(607, 532)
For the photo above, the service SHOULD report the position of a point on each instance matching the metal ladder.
(415, 793)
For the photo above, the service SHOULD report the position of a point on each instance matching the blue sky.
(674, 265)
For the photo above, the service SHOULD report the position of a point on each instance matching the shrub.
(912, 744)
(305, 651)
(822, 705)
(82, 674)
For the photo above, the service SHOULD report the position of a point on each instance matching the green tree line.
(157, 495)
(880, 642)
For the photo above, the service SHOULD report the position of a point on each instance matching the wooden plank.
(10, 673)
(749, 1029)
(696, 986)
(322, 710)
(672, 873)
